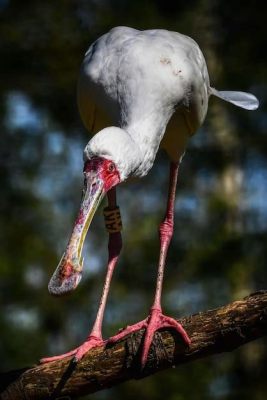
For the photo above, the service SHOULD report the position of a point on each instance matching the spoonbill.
(137, 91)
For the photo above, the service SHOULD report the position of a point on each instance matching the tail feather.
(240, 99)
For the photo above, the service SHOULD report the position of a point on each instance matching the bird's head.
(108, 160)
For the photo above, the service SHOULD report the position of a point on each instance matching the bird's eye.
(111, 167)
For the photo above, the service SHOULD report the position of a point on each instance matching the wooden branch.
(211, 332)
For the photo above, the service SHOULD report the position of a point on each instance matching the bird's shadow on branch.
(66, 375)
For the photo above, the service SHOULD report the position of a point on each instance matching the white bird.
(138, 91)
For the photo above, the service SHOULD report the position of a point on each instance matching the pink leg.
(95, 338)
(156, 319)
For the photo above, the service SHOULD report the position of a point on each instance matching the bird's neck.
(147, 132)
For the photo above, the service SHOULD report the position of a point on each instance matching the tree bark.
(214, 331)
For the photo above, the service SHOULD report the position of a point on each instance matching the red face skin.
(106, 170)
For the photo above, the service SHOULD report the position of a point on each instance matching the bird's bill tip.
(66, 276)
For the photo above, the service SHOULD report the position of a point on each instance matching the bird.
(138, 91)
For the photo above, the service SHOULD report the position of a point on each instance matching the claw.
(78, 353)
(155, 321)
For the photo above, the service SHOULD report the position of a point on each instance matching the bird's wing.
(240, 99)
(97, 84)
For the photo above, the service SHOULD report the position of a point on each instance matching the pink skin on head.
(106, 170)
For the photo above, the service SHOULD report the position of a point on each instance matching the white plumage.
(152, 84)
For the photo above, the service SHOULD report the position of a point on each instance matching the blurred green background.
(219, 250)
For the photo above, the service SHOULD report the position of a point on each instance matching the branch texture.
(211, 332)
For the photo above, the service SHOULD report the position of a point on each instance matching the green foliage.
(219, 247)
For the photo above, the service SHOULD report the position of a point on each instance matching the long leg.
(156, 319)
(114, 247)
(166, 233)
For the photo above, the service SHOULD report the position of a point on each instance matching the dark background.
(219, 251)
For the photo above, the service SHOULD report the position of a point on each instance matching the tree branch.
(211, 332)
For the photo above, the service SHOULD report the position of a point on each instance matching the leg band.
(112, 218)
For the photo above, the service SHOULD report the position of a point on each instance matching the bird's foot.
(78, 353)
(155, 321)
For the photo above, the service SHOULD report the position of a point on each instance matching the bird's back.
(128, 75)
